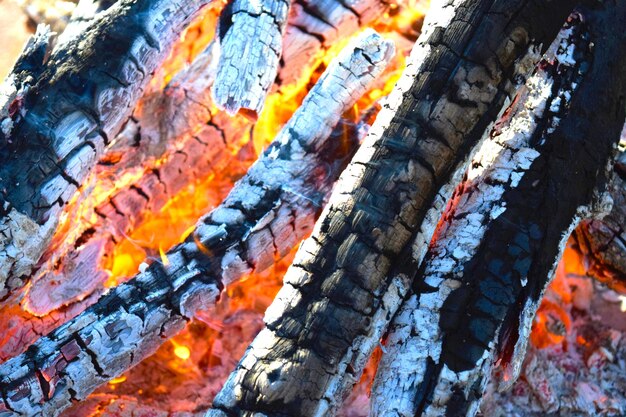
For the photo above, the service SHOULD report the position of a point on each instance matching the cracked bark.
(543, 169)
(349, 278)
(266, 213)
(198, 141)
(250, 36)
(94, 83)
(189, 131)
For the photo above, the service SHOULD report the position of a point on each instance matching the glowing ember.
(182, 352)
(117, 380)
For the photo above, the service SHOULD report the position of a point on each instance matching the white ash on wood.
(94, 83)
(246, 232)
(542, 170)
(350, 276)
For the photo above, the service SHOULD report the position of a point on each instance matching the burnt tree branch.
(267, 212)
(83, 95)
(250, 36)
(348, 279)
(543, 169)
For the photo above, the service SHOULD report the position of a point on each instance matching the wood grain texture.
(250, 36)
(349, 278)
(94, 83)
(267, 212)
(543, 170)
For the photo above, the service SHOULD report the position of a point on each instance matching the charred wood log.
(201, 140)
(603, 241)
(94, 83)
(349, 278)
(543, 169)
(265, 214)
(250, 35)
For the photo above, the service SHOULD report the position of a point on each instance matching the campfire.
(314, 208)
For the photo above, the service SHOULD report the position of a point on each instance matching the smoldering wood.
(73, 271)
(140, 144)
(94, 83)
(266, 212)
(314, 26)
(250, 36)
(543, 169)
(349, 278)
(603, 241)
(198, 141)
(414, 341)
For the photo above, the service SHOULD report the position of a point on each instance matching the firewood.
(71, 271)
(349, 278)
(603, 241)
(271, 208)
(314, 26)
(543, 169)
(250, 37)
(140, 144)
(48, 149)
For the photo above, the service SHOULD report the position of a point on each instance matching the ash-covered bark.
(603, 241)
(250, 36)
(178, 127)
(81, 99)
(495, 250)
(348, 279)
(271, 208)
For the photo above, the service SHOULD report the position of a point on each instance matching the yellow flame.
(117, 380)
(181, 351)
(622, 299)
(164, 258)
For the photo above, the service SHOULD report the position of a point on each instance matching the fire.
(182, 352)
(217, 338)
(566, 292)
(117, 380)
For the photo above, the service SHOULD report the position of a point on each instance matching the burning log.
(174, 126)
(543, 169)
(265, 214)
(94, 83)
(200, 140)
(603, 241)
(250, 32)
(349, 278)
(314, 26)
